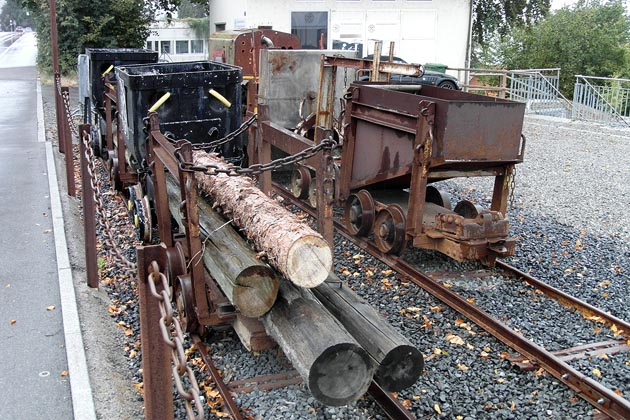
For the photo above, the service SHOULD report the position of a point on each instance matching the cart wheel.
(185, 304)
(312, 194)
(389, 230)
(145, 223)
(358, 215)
(439, 197)
(175, 266)
(467, 209)
(300, 182)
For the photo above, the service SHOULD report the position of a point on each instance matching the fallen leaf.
(597, 372)
(618, 392)
(604, 283)
(12, 321)
(539, 372)
(447, 285)
(406, 403)
(139, 387)
(437, 351)
(484, 354)
(459, 321)
(133, 354)
(471, 300)
(50, 308)
(604, 356)
(436, 308)
(487, 349)
(64, 373)
(513, 406)
(437, 408)
(414, 309)
(500, 380)
(454, 339)
(462, 367)
(470, 346)
(573, 399)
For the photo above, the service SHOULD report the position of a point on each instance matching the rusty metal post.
(89, 221)
(156, 359)
(67, 141)
(57, 76)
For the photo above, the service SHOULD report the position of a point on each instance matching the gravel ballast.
(572, 225)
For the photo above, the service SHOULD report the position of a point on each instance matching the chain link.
(512, 187)
(173, 336)
(220, 142)
(102, 218)
(258, 168)
(66, 102)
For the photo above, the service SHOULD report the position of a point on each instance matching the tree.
(499, 17)
(591, 38)
(97, 23)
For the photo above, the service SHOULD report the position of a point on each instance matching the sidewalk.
(41, 357)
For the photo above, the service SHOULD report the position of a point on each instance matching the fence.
(601, 99)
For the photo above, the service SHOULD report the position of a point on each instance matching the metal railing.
(538, 88)
(602, 99)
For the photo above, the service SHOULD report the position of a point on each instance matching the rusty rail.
(588, 389)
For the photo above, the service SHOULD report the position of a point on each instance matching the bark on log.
(297, 251)
(398, 362)
(335, 368)
(251, 286)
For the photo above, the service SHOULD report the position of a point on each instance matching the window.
(219, 27)
(196, 46)
(181, 47)
(149, 45)
(311, 28)
(165, 47)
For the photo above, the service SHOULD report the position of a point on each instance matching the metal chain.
(219, 142)
(66, 102)
(58, 83)
(258, 168)
(102, 219)
(512, 187)
(173, 336)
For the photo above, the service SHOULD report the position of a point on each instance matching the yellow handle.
(220, 98)
(110, 68)
(160, 102)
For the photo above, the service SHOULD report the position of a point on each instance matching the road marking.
(82, 402)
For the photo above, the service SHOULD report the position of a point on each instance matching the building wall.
(423, 30)
(181, 41)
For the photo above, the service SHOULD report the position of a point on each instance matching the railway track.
(603, 399)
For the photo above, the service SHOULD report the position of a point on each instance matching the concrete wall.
(423, 30)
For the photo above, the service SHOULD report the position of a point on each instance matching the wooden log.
(335, 368)
(297, 251)
(250, 285)
(398, 362)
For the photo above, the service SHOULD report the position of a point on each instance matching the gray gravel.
(571, 219)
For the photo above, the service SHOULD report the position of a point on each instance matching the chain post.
(156, 360)
(67, 139)
(89, 222)
(161, 335)
(102, 217)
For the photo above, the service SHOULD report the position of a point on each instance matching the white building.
(424, 31)
(176, 42)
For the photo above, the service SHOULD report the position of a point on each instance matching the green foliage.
(97, 23)
(13, 10)
(190, 9)
(199, 26)
(499, 17)
(591, 38)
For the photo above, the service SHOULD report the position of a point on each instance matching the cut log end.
(255, 291)
(309, 261)
(340, 375)
(400, 368)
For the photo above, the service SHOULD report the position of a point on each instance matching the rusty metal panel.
(289, 77)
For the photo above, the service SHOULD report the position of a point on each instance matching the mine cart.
(399, 142)
(203, 104)
(101, 59)
(395, 140)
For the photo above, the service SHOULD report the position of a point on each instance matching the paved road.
(34, 382)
